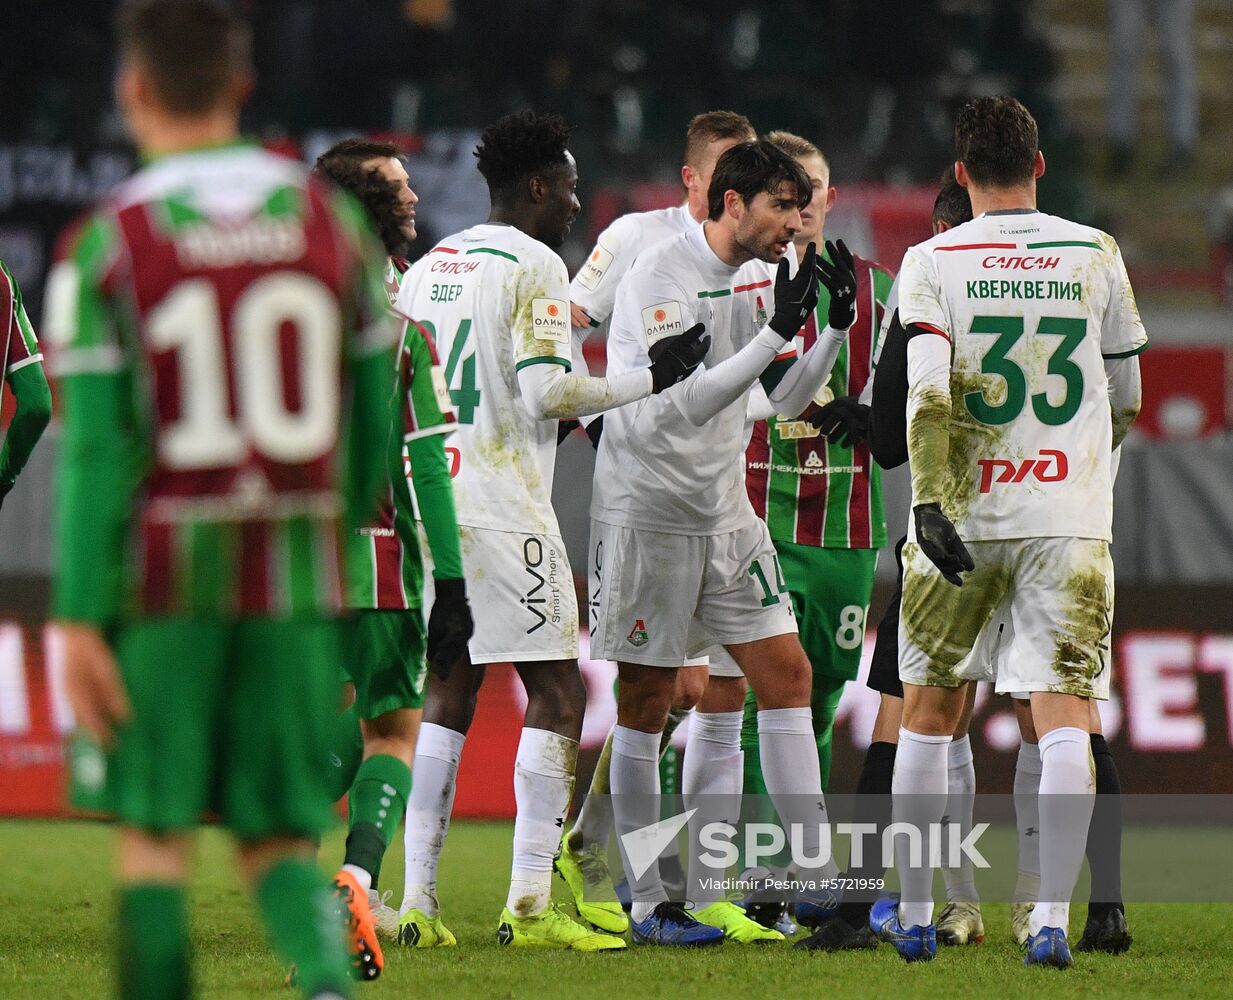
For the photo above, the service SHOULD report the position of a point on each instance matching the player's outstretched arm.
(711, 390)
(888, 408)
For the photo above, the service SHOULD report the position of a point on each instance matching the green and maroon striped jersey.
(809, 490)
(384, 565)
(224, 347)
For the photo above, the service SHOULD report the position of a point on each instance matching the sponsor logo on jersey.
(543, 597)
(638, 636)
(592, 272)
(550, 320)
(1051, 467)
(1029, 262)
(454, 266)
(794, 430)
(662, 320)
(813, 462)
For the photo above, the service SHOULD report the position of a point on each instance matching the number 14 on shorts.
(769, 596)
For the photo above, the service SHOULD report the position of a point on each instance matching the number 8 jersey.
(495, 300)
(224, 350)
(1032, 306)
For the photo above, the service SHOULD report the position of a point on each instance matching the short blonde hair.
(711, 125)
(797, 146)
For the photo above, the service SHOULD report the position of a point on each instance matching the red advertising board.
(1170, 722)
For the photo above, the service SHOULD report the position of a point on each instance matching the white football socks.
(635, 805)
(1027, 822)
(437, 752)
(788, 752)
(711, 781)
(918, 798)
(543, 785)
(1067, 795)
(960, 801)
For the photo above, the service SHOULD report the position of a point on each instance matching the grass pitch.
(55, 941)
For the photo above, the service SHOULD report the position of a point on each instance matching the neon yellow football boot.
(552, 929)
(416, 929)
(586, 874)
(737, 927)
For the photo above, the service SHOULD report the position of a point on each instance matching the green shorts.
(229, 718)
(830, 591)
(387, 661)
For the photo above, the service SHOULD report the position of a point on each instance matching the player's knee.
(644, 698)
(691, 683)
(556, 695)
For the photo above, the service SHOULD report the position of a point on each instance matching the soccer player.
(225, 379)
(820, 494)
(582, 861)
(389, 647)
(22, 367)
(496, 298)
(679, 561)
(1038, 375)
(960, 921)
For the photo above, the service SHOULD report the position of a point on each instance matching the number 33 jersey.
(1033, 306)
(495, 300)
(225, 355)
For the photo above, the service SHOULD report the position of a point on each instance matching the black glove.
(839, 276)
(449, 627)
(795, 297)
(4, 491)
(674, 359)
(564, 429)
(939, 540)
(844, 421)
(594, 429)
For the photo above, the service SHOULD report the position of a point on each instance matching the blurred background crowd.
(1135, 108)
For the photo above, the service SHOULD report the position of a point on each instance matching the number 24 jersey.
(495, 300)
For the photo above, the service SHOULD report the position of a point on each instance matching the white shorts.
(1035, 615)
(657, 598)
(722, 664)
(521, 591)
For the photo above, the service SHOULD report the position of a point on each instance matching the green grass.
(55, 941)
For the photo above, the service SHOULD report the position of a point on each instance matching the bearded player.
(583, 859)
(678, 559)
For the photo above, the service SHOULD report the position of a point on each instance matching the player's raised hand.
(92, 682)
(939, 540)
(449, 626)
(795, 296)
(844, 421)
(674, 359)
(839, 276)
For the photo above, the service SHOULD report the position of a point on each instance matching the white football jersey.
(595, 285)
(1031, 304)
(655, 469)
(495, 300)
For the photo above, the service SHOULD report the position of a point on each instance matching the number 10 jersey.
(1032, 305)
(495, 300)
(225, 353)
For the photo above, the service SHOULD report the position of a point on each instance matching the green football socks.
(304, 927)
(153, 942)
(376, 805)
